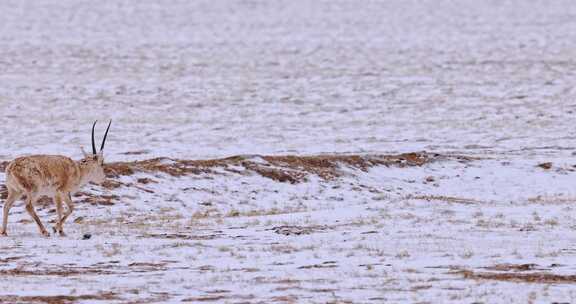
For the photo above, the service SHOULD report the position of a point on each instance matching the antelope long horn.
(93, 144)
(105, 134)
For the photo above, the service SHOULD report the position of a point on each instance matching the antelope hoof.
(3, 233)
(45, 233)
(59, 230)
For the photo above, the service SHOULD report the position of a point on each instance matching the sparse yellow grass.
(552, 199)
(442, 198)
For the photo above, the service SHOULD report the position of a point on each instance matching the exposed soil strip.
(59, 299)
(172, 236)
(64, 272)
(71, 271)
(443, 198)
(220, 298)
(291, 169)
(298, 230)
(514, 267)
(539, 277)
(287, 169)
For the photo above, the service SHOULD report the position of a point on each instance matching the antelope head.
(92, 165)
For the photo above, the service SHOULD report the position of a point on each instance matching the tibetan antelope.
(52, 175)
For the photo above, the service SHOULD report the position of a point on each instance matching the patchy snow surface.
(489, 80)
(399, 234)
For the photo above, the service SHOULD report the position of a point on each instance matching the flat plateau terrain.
(414, 227)
(296, 151)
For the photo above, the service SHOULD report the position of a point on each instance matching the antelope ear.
(83, 152)
(101, 161)
(99, 157)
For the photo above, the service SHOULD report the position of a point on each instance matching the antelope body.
(55, 176)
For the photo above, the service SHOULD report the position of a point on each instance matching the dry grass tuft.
(172, 236)
(205, 299)
(64, 272)
(538, 277)
(330, 264)
(220, 298)
(173, 167)
(545, 166)
(93, 199)
(298, 230)
(513, 267)
(59, 299)
(288, 169)
(443, 198)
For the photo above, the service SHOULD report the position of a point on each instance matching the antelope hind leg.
(30, 208)
(12, 197)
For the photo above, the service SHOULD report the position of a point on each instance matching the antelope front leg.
(58, 227)
(68, 201)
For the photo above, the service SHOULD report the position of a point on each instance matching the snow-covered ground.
(489, 81)
(397, 234)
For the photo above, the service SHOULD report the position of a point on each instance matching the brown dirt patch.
(326, 166)
(298, 230)
(290, 169)
(146, 181)
(95, 200)
(59, 299)
(10, 259)
(173, 167)
(319, 266)
(220, 298)
(176, 236)
(112, 184)
(545, 166)
(443, 198)
(139, 152)
(147, 267)
(64, 272)
(513, 267)
(538, 277)
(205, 299)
